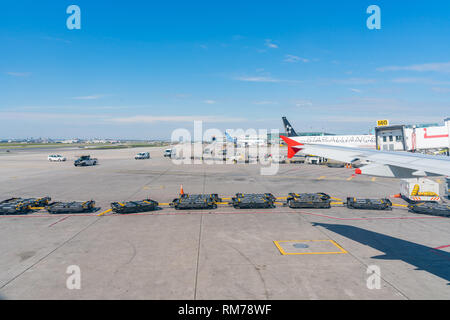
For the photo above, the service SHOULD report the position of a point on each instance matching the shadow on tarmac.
(425, 258)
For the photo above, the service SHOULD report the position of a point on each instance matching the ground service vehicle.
(142, 155)
(134, 206)
(369, 204)
(196, 201)
(70, 207)
(14, 206)
(85, 161)
(431, 208)
(253, 201)
(168, 153)
(308, 200)
(56, 157)
(419, 189)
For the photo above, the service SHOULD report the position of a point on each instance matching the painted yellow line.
(399, 205)
(109, 210)
(223, 202)
(349, 178)
(281, 197)
(278, 202)
(303, 253)
(164, 204)
(336, 199)
(226, 198)
(336, 203)
(321, 178)
(373, 179)
(37, 208)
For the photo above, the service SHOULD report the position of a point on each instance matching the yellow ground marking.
(399, 205)
(438, 180)
(223, 202)
(321, 178)
(349, 178)
(37, 208)
(277, 243)
(281, 198)
(226, 198)
(340, 202)
(336, 199)
(109, 210)
(164, 204)
(145, 188)
(278, 202)
(373, 179)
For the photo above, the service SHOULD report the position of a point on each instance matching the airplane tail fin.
(229, 138)
(289, 130)
(293, 146)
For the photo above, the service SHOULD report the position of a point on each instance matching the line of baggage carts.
(210, 201)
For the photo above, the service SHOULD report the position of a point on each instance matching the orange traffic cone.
(181, 189)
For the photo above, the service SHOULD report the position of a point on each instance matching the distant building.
(419, 137)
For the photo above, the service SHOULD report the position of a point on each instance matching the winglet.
(293, 146)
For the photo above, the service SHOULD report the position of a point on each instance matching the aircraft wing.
(398, 164)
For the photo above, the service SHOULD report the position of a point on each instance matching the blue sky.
(140, 69)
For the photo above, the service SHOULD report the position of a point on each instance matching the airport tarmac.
(226, 253)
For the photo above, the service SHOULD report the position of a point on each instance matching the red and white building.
(413, 137)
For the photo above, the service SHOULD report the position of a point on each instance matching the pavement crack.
(48, 254)
(198, 256)
(257, 269)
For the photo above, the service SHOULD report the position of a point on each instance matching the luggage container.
(196, 201)
(309, 200)
(253, 201)
(431, 208)
(70, 207)
(14, 206)
(369, 204)
(134, 206)
(419, 189)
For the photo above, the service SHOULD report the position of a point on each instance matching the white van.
(169, 153)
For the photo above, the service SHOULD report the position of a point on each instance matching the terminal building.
(420, 137)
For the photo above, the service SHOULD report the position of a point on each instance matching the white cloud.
(153, 119)
(441, 90)
(419, 80)
(303, 103)
(355, 90)
(265, 102)
(263, 79)
(357, 81)
(91, 97)
(19, 74)
(258, 79)
(108, 118)
(291, 58)
(270, 44)
(209, 101)
(443, 67)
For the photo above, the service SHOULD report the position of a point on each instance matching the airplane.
(229, 138)
(359, 141)
(246, 140)
(395, 164)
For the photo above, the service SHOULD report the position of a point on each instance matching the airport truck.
(142, 155)
(85, 161)
(419, 189)
(169, 153)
